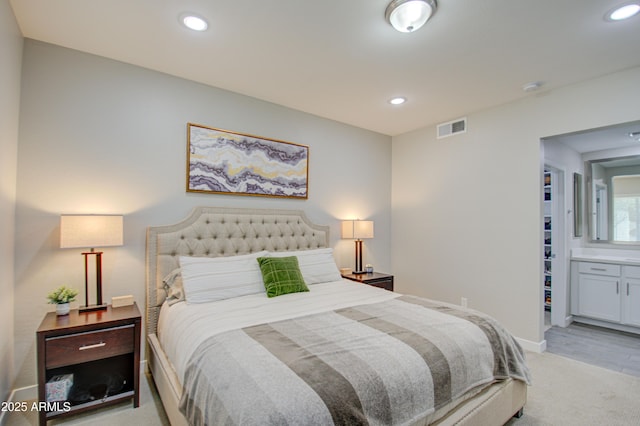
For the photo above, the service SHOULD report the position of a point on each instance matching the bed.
(331, 352)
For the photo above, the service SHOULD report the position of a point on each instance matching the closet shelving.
(547, 240)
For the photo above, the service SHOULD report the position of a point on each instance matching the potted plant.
(61, 297)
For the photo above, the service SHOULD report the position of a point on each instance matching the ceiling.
(341, 60)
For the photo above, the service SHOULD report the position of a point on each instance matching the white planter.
(62, 308)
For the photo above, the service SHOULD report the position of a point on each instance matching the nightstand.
(375, 279)
(101, 349)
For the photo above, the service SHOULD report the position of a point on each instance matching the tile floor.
(611, 349)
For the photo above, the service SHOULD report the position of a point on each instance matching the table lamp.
(357, 229)
(89, 232)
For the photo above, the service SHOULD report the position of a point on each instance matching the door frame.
(559, 244)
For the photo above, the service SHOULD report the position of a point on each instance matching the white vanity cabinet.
(631, 294)
(606, 292)
(597, 293)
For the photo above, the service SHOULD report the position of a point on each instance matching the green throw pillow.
(281, 275)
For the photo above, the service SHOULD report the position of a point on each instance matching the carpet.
(149, 413)
(566, 392)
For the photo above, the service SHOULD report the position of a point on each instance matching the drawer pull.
(97, 345)
(599, 269)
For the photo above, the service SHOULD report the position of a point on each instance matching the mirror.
(613, 199)
(577, 205)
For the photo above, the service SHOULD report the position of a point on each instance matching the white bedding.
(182, 327)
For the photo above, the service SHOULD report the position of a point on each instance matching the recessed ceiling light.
(194, 22)
(622, 12)
(398, 101)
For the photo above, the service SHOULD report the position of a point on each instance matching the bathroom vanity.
(605, 290)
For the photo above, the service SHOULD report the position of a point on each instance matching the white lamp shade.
(357, 229)
(408, 15)
(89, 231)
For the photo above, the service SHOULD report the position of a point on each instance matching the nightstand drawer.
(376, 279)
(89, 346)
(386, 284)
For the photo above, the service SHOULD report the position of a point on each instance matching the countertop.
(622, 257)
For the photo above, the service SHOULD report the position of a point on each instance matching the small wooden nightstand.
(375, 279)
(102, 351)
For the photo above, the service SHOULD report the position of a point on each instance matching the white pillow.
(207, 279)
(317, 265)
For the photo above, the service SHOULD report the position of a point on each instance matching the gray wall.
(100, 136)
(467, 210)
(10, 62)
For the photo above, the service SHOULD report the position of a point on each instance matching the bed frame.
(217, 231)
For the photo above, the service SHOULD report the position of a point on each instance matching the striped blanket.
(393, 362)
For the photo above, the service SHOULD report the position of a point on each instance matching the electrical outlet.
(463, 302)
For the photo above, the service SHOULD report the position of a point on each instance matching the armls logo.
(51, 406)
(36, 406)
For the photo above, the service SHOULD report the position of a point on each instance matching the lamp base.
(90, 308)
(359, 272)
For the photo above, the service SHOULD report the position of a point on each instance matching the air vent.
(452, 128)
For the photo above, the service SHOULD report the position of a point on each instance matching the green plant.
(62, 295)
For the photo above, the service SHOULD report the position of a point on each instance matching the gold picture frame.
(227, 162)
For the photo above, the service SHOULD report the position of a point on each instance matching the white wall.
(10, 63)
(106, 137)
(467, 219)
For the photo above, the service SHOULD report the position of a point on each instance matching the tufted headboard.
(219, 231)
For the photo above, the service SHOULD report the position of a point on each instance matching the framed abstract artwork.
(225, 162)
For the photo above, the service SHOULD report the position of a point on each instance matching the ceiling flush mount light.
(407, 16)
(398, 101)
(622, 12)
(194, 22)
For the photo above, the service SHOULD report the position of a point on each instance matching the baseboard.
(528, 345)
(568, 320)
(20, 394)
(24, 394)
(606, 324)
